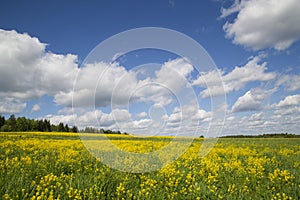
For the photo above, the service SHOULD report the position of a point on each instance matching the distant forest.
(273, 135)
(101, 130)
(22, 124)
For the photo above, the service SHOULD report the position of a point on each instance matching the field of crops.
(58, 166)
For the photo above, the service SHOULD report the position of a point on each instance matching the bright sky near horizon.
(254, 44)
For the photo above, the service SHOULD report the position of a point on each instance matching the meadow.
(47, 165)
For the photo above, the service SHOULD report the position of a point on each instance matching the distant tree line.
(24, 124)
(272, 135)
(101, 130)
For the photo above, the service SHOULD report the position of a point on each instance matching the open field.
(57, 166)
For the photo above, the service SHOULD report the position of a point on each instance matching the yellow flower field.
(58, 166)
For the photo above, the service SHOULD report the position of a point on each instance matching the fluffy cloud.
(103, 119)
(11, 105)
(289, 81)
(292, 100)
(234, 80)
(96, 84)
(283, 111)
(35, 108)
(168, 81)
(248, 102)
(264, 23)
(257, 119)
(185, 120)
(251, 101)
(102, 84)
(142, 115)
(257, 123)
(287, 112)
(28, 71)
(95, 118)
(188, 119)
(202, 115)
(117, 119)
(66, 119)
(280, 117)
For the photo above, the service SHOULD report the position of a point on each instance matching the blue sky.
(254, 44)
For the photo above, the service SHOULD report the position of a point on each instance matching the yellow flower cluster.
(281, 176)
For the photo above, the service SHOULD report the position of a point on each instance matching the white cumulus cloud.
(11, 105)
(142, 115)
(251, 100)
(102, 84)
(292, 100)
(289, 81)
(263, 24)
(28, 71)
(234, 80)
(35, 108)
